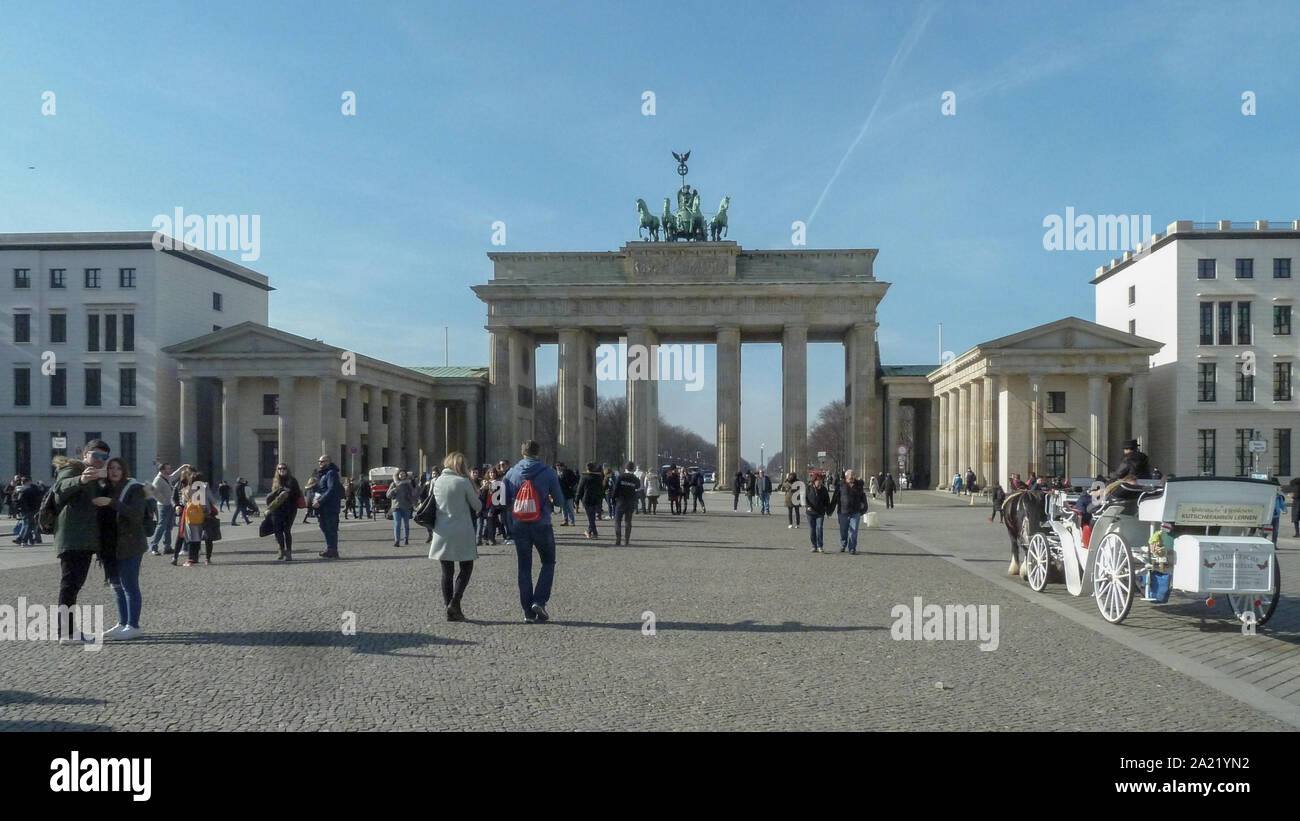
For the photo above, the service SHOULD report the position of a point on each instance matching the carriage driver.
(1134, 463)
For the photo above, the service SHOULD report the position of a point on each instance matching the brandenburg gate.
(692, 292)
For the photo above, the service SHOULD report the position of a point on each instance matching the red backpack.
(527, 508)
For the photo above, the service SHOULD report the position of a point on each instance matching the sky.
(375, 225)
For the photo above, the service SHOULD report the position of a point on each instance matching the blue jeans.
(328, 521)
(528, 535)
(163, 533)
(363, 507)
(849, 531)
(816, 524)
(400, 518)
(767, 502)
(28, 534)
(124, 576)
(568, 510)
(750, 497)
(239, 510)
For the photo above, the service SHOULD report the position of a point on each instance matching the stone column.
(429, 456)
(523, 364)
(410, 427)
(945, 427)
(1140, 410)
(640, 396)
(501, 397)
(440, 449)
(230, 430)
(285, 430)
(374, 427)
(955, 418)
(864, 423)
(189, 421)
(471, 432)
(587, 399)
(395, 429)
(1037, 395)
(977, 430)
(989, 456)
(1096, 436)
(894, 435)
(329, 418)
(569, 400)
(352, 426)
(728, 404)
(794, 398)
(963, 431)
(932, 468)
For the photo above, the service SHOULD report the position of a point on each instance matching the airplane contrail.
(904, 49)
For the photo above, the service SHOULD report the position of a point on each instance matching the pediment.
(1071, 333)
(249, 337)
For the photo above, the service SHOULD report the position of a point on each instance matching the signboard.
(821, 454)
(354, 450)
(59, 442)
(1209, 513)
(902, 450)
(1257, 446)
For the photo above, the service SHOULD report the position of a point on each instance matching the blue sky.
(375, 226)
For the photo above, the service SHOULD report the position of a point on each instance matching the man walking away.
(243, 504)
(737, 485)
(889, 486)
(569, 485)
(765, 491)
(28, 496)
(164, 492)
(329, 497)
(697, 491)
(625, 495)
(590, 493)
(363, 498)
(531, 527)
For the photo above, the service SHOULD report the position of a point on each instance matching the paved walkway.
(752, 631)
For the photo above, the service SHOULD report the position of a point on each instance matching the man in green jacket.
(77, 529)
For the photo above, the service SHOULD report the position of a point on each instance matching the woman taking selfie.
(126, 502)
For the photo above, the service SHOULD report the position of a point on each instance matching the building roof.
(451, 371)
(1186, 229)
(906, 370)
(130, 241)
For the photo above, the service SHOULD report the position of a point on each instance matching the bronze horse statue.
(718, 225)
(1024, 515)
(648, 221)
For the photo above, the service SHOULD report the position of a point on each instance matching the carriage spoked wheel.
(1112, 578)
(1261, 604)
(1038, 558)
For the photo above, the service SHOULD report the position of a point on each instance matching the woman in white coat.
(453, 533)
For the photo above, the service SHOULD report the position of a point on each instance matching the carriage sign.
(1208, 513)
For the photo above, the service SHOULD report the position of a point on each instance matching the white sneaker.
(789, 527)
(113, 632)
(128, 633)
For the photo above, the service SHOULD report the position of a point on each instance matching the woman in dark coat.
(282, 509)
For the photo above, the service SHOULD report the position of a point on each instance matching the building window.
(128, 332)
(92, 389)
(383, 414)
(1132, 295)
(23, 452)
(126, 382)
(1133, 326)
(1243, 323)
(58, 277)
(92, 277)
(1282, 268)
(216, 301)
(22, 277)
(58, 328)
(1225, 323)
(110, 332)
(1056, 403)
(1245, 386)
(1245, 459)
(1056, 457)
(343, 407)
(270, 404)
(1245, 269)
(22, 328)
(91, 435)
(365, 411)
(1282, 452)
(22, 387)
(1206, 376)
(126, 277)
(1205, 452)
(1281, 320)
(1207, 323)
(1281, 381)
(1205, 269)
(126, 449)
(92, 332)
(59, 388)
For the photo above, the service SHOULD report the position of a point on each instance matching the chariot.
(1206, 536)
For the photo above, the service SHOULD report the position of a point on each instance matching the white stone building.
(1222, 299)
(87, 315)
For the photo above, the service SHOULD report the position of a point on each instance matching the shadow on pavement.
(747, 626)
(364, 643)
(52, 727)
(8, 697)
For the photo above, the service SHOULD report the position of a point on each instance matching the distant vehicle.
(711, 478)
(381, 479)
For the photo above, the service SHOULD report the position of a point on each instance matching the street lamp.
(762, 464)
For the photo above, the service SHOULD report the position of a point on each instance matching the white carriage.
(1200, 535)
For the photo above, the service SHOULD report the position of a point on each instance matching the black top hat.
(1130, 444)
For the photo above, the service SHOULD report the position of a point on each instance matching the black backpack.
(47, 515)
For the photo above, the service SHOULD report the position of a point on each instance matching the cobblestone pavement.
(1185, 633)
(752, 632)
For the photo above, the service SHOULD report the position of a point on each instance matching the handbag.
(212, 529)
(267, 527)
(426, 512)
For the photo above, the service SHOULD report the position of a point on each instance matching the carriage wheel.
(1263, 604)
(1112, 579)
(1038, 557)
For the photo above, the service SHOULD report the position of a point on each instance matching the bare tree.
(611, 431)
(829, 433)
(546, 415)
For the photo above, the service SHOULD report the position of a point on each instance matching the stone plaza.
(751, 631)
